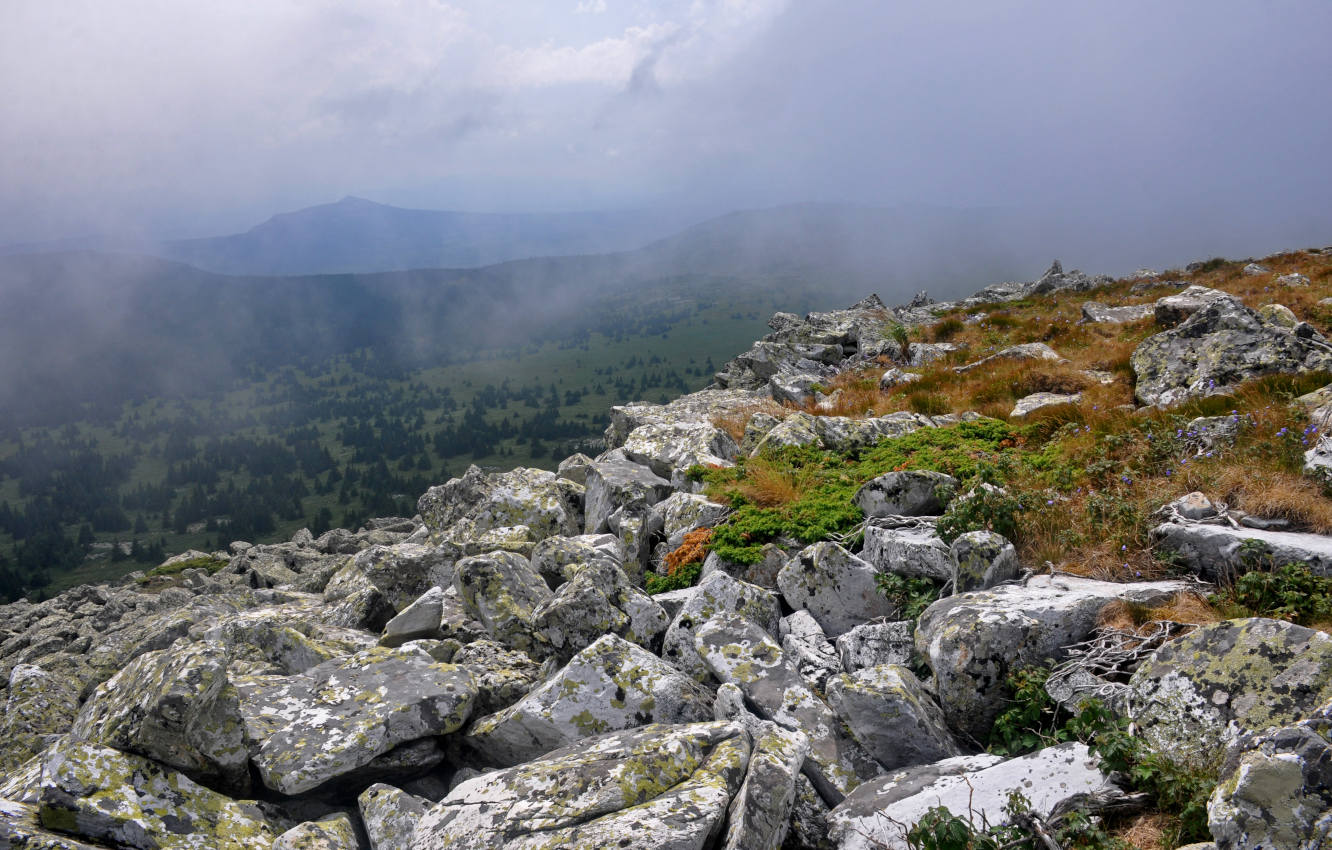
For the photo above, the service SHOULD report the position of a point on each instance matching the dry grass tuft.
(733, 422)
(1274, 493)
(768, 483)
(1147, 831)
(692, 550)
(1186, 607)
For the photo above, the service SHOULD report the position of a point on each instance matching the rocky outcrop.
(663, 786)
(837, 588)
(908, 493)
(972, 641)
(1219, 346)
(1198, 692)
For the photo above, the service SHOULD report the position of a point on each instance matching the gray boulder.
(840, 433)
(112, 798)
(1276, 788)
(806, 645)
(762, 572)
(716, 594)
(503, 593)
(891, 715)
(340, 716)
(982, 559)
(874, 644)
(738, 652)
(178, 707)
(545, 503)
(421, 619)
(838, 588)
(557, 558)
(702, 406)
(918, 492)
(1029, 404)
(598, 599)
(681, 513)
(1022, 353)
(334, 832)
(759, 816)
(1216, 552)
(878, 814)
(401, 572)
(670, 449)
(1097, 313)
(1173, 309)
(390, 815)
(972, 641)
(1217, 348)
(502, 676)
(610, 686)
(666, 787)
(914, 550)
(38, 706)
(1197, 693)
(618, 484)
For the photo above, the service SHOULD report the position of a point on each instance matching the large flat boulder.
(112, 798)
(1217, 348)
(839, 589)
(972, 641)
(609, 686)
(1216, 552)
(306, 730)
(914, 492)
(659, 786)
(178, 707)
(878, 814)
(535, 498)
(890, 714)
(1276, 788)
(669, 449)
(1197, 693)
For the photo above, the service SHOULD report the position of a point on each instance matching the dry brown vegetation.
(693, 549)
(1188, 608)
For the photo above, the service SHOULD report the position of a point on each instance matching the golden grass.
(769, 484)
(1147, 831)
(1274, 493)
(734, 421)
(1185, 607)
(693, 549)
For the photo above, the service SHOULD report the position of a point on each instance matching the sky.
(171, 119)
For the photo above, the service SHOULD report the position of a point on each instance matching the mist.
(1131, 133)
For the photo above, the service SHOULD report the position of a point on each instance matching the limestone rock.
(702, 406)
(740, 653)
(661, 786)
(557, 558)
(1024, 352)
(762, 572)
(982, 559)
(759, 816)
(878, 815)
(1215, 552)
(1256, 270)
(919, 492)
(503, 593)
(178, 707)
(873, 644)
(38, 707)
(616, 484)
(546, 504)
(891, 715)
(1276, 788)
(597, 600)
(1197, 692)
(914, 551)
(390, 815)
(972, 641)
(1173, 309)
(609, 686)
(335, 832)
(1219, 346)
(1096, 313)
(670, 449)
(840, 433)
(838, 588)
(718, 593)
(925, 353)
(21, 827)
(339, 716)
(103, 795)
(895, 377)
(1029, 404)
(1292, 279)
(806, 645)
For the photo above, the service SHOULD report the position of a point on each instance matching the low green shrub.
(913, 595)
(984, 509)
(1290, 592)
(203, 562)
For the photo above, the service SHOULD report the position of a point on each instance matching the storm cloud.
(1161, 127)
